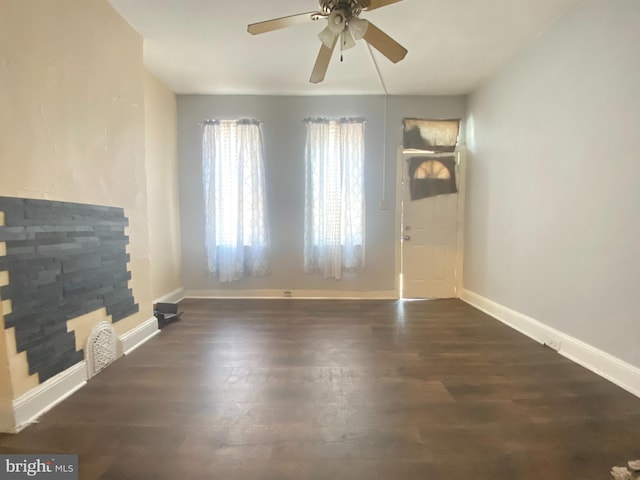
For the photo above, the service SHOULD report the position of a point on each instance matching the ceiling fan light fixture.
(346, 40)
(326, 36)
(358, 27)
(344, 26)
(337, 21)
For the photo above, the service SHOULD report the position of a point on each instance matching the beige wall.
(553, 214)
(6, 389)
(161, 143)
(72, 117)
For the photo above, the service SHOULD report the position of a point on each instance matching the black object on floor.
(166, 313)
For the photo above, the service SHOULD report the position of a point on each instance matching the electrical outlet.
(287, 293)
(553, 343)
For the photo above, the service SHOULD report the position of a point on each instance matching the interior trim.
(45, 396)
(172, 297)
(295, 294)
(599, 362)
(139, 335)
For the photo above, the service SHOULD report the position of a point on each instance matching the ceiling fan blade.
(322, 62)
(283, 22)
(384, 44)
(380, 3)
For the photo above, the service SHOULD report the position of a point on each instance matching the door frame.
(461, 177)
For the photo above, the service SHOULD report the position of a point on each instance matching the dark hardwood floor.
(297, 389)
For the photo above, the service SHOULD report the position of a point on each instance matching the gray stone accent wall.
(64, 260)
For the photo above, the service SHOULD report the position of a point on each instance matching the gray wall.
(284, 137)
(553, 216)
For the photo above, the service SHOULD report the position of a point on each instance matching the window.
(236, 232)
(432, 169)
(430, 135)
(334, 200)
(435, 175)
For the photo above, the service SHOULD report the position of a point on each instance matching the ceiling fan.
(343, 24)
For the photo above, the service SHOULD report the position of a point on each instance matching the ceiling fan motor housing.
(351, 8)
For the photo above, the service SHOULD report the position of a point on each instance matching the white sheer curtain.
(236, 231)
(334, 199)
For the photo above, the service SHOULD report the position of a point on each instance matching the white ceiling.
(202, 46)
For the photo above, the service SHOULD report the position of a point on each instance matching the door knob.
(407, 238)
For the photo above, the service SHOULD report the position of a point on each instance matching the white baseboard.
(172, 297)
(139, 335)
(602, 363)
(45, 396)
(295, 294)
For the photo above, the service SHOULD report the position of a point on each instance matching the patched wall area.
(61, 262)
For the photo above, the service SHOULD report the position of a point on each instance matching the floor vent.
(101, 348)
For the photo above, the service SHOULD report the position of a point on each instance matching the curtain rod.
(341, 119)
(245, 121)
